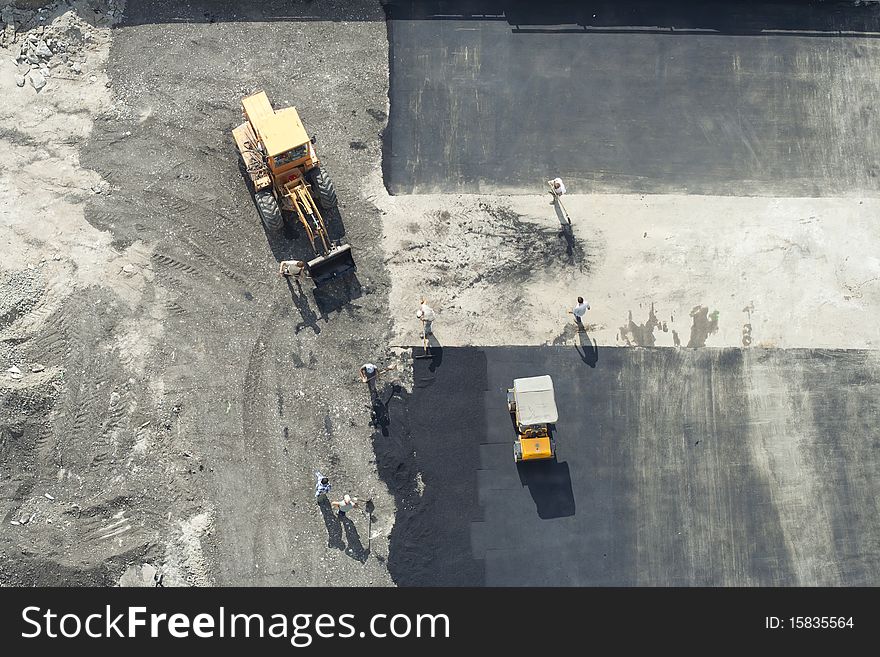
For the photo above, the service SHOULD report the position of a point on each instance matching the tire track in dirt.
(173, 263)
(98, 399)
(215, 281)
(88, 437)
(254, 531)
(214, 262)
(174, 308)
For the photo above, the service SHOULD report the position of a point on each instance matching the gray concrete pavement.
(749, 464)
(705, 467)
(488, 104)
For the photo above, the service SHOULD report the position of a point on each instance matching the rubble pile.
(53, 41)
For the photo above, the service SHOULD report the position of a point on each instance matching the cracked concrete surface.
(716, 271)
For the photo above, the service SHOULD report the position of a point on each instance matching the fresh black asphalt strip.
(671, 469)
(737, 98)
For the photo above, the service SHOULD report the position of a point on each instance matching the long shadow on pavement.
(379, 400)
(549, 483)
(648, 16)
(588, 349)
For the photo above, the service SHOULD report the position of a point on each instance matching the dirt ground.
(185, 394)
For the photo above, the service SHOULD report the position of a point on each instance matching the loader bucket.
(337, 262)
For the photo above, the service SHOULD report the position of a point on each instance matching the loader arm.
(331, 260)
(299, 196)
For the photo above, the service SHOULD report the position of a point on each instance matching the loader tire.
(269, 211)
(326, 191)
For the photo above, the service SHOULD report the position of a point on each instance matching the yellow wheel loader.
(286, 176)
(532, 404)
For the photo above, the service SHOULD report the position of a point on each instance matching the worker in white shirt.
(370, 374)
(346, 504)
(579, 311)
(426, 314)
(557, 188)
(293, 268)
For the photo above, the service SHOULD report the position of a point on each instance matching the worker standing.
(557, 188)
(322, 486)
(346, 504)
(293, 268)
(579, 311)
(426, 314)
(369, 374)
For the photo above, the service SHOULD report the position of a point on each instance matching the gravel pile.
(53, 41)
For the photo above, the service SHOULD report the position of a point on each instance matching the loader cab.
(299, 159)
(532, 404)
(281, 134)
(294, 157)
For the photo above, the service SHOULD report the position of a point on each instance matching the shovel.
(427, 353)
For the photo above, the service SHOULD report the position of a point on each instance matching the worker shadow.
(434, 353)
(338, 294)
(561, 216)
(566, 232)
(587, 349)
(570, 245)
(355, 548)
(549, 484)
(334, 530)
(309, 317)
(380, 418)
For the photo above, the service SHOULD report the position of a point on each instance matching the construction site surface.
(166, 397)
